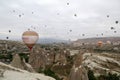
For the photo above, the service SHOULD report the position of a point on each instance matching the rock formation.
(78, 72)
(20, 63)
(37, 59)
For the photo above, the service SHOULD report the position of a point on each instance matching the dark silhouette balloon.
(116, 22)
(9, 31)
(102, 34)
(19, 15)
(67, 3)
(108, 16)
(115, 31)
(112, 28)
(70, 30)
(7, 37)
(75, 15)
(13, 10)
(83, 34)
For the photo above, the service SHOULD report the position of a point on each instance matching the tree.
(91, 75)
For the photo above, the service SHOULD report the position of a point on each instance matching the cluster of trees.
(108, 76)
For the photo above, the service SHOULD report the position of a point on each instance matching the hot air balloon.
(102, 34)
(116, 22)
(13, 10)
(30, 38)
(83, 34)
(100, 43)
(7, 37)
(9, 31)
(67, 3)
(75, 15)
(108, 42)
(108, 16)
(70, 30)
(112, 28)
(115, 31)
(19, 15)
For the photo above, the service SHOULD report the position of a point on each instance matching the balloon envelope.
(100, 43)
(30, 38)
(108, 42)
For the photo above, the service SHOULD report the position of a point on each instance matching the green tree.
(91, 75)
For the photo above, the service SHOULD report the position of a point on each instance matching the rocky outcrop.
(17, 62)
(78, 72)
(38, 59)
(8, 72)
(102, 63)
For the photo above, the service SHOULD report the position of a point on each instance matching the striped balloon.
(30, 38)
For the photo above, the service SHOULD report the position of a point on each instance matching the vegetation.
(108, 76)
(49, 72)
(91, 75)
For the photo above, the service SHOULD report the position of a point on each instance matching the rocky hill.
(102, 63)
(10, 73)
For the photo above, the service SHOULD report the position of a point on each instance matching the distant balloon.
(28, 29)
(100, 43)
(75, 15)
(115, 31)
(102, 34)
(30, 38)
(83, 34)
(67, 3)
(9, 31)
(116, 22)
(112, 28)
(108, 16)
(19, 15)
(70, 30)
(7, 37)
(13, 10)
(108, 42)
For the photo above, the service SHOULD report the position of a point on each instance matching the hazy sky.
(62, 19)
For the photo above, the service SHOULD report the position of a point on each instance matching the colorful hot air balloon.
(100, 43)
(30, 38)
